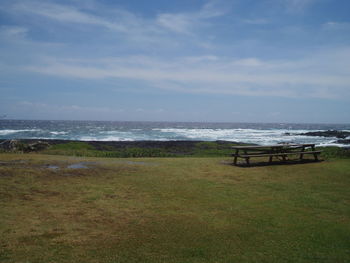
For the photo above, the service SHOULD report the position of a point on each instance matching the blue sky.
(184, 60)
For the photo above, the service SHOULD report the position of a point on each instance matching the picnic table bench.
(277, 150)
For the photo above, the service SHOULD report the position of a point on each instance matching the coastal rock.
(19, 146)
(11, 145)
(329, 133)
(36, 146)
(345, 141)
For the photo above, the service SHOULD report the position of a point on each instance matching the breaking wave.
(8, 132)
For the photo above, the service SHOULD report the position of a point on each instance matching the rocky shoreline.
(342, 136)
(329, 133)
(36, 145)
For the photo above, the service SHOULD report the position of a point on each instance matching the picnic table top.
(273, 146)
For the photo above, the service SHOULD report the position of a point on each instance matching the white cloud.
(176, 22)
(67, 14)
(324, 74)
(118, 19)
(249, 62)
(332, 25)
(185, 22)
(119, 24)
(13, 31)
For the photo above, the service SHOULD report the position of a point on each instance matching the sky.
(184, 60)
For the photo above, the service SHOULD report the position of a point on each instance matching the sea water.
(258, 133)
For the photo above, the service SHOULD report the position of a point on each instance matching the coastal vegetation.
(130, 149)
(125, 149)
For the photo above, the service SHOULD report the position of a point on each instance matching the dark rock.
(329, 133)
(36, 146)
(11, 145)
(346, 141)
(20, 146)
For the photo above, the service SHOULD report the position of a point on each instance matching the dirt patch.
(81, 165)
(52, 167)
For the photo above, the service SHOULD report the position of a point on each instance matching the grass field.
(172, 210)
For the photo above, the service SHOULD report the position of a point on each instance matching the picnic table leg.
(236, 156)
(302, 155)
(315, 154)
(247, 158)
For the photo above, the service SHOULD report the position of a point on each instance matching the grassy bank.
(188, 149)
(195, 149)
(172, 210)
(124, 149)
(144, 149)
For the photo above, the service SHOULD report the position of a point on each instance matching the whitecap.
(6, 132)
(106, 138)
(257, 136)
(58, 132)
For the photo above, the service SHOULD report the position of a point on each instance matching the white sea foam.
(258, 136)
(107, 138)
(6, 132)
(262, 135)
(58, 132)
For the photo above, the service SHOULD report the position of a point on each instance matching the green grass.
(72, 146)
(172, 210)
(122, 153)
(335, 152)
(200, 149)
(191, 149)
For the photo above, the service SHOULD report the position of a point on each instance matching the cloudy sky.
(183, 60)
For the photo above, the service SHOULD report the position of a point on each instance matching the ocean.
(258, 133)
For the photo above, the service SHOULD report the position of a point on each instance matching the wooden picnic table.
(276, 150)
